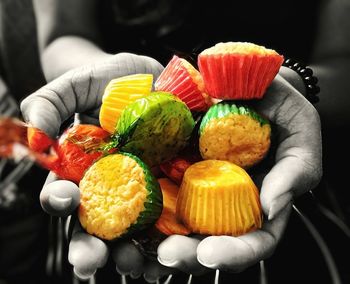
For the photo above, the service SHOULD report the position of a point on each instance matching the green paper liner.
(98, 209)
(223, 109)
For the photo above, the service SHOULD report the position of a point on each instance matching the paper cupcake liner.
(184, 81)
(217, 209)
(234, 132)
(119, 93)
(234, 76)
(225, 108)
(111, 207)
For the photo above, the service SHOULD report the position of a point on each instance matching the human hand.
(297, 169)
(260, 244)
(77, 91)
(80, 91)
(88, 253)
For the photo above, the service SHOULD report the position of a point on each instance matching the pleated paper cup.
(119, 93)
(234, 132)
(184, 81)
(218, 198)
(238, 70)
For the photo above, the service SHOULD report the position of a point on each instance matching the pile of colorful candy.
(148, 125)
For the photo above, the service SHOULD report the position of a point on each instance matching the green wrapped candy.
(154, 128)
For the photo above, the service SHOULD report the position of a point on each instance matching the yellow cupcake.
(119, 93)
(119, 195)
(218, 198)
(234, 133)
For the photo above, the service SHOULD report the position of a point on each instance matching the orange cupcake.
(184, 81)
(238, 70)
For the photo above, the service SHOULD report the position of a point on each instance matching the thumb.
(291, 176)
(298, 157)
(59, 197)
(50, 106)
(87, 253)
(80, 90)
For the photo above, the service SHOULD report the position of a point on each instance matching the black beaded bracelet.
(309, 80)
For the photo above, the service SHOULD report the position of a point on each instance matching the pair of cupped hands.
(297, 168)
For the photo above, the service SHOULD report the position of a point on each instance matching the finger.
(89, 118)
(235, 254)
(153, 271)
(80, 90)
(151, 66)
(281, 184)
(180, 252)
(59, 197)
(128, 259)
(298, 166)
(87, 253)
(55, 102)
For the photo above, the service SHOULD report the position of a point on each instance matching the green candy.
(154, 128)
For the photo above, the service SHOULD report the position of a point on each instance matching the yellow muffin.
(118, 195)
(218, 198)
(242, 48)
(234, 133)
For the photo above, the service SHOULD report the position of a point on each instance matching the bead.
(311, 80)
(312, 98)
(306, 72)
(296, 65)
(312, 89)
(288, 62)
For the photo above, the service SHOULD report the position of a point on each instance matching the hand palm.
(297, 169)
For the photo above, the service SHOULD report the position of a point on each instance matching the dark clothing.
(23, 224)
(19, 57)
(161, 28)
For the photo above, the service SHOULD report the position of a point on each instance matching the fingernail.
(279, 204)
(135, 274)
(205, 254)
(121, 272)
(149, 279)
(59, 203)
(83, 275)
(168, 262)
(207, 264)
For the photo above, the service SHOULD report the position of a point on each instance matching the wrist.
(305, 74)
(293, 78)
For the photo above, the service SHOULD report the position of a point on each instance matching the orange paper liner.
(184, 81)
(239, 77)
